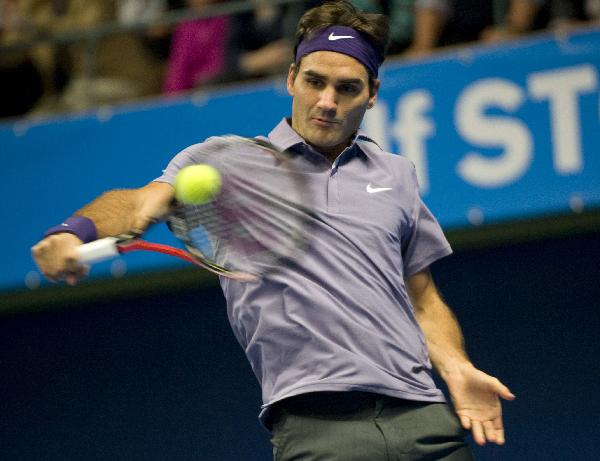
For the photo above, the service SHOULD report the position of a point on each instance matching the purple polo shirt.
(339, 317)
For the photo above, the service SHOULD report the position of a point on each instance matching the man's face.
(331, 95)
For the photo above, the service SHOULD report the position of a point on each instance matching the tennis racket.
(258, 221)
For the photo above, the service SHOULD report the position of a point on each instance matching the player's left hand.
(476, 397)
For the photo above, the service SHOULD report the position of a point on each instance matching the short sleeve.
(191, 155)
(426, 243)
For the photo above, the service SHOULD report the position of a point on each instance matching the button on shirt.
(339, 317)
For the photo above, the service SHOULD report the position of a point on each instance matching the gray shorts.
(360, 426)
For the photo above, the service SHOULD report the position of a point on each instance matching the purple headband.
(345, 40)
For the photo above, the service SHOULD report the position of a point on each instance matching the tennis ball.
(197, 184)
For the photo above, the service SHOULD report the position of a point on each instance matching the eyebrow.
(312, 73)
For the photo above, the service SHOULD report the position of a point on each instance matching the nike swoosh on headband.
(333, 37)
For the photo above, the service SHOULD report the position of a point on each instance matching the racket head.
(258, 221)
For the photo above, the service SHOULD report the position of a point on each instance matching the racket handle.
(98, 250)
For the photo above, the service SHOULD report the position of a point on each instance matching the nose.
(328, 100)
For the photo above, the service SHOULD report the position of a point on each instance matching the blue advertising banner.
(499, 133)
(496, 133)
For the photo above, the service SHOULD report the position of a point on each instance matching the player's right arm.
(114, 212)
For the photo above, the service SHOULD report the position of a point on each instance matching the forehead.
(334, 66)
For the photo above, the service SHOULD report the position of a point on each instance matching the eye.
(349, 89)
(314, 82)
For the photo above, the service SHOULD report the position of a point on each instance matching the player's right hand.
(56, 257)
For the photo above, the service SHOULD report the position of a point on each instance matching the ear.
(290, 79)
(373, 96)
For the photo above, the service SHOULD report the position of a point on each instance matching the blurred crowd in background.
(71, 55)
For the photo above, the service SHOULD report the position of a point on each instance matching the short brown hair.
(374, 27)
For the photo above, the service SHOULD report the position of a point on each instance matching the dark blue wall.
(161, 377)
(530, 315)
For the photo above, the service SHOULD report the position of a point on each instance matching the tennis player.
(343, 341)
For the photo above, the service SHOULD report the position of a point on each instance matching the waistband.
(338, 403)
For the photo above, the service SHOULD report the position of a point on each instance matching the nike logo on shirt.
(332, 37)
(374, 190)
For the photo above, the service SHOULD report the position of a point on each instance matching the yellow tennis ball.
(197, 184)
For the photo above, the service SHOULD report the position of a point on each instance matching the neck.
(331, 153)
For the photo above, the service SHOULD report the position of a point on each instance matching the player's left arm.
(475, 394)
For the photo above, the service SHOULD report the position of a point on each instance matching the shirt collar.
(284, 138)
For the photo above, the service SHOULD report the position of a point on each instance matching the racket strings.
(257, 220)
(254, 236)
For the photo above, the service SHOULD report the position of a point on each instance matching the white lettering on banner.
(510, 138)
(493, 131)
(561, 87)
(411, 130)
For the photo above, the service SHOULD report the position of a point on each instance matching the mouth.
(325, 122)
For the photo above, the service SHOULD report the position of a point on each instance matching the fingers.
(490, 432)
(501, 390)
(504, 391)
(57, 259)
(75, 275)
(465, 421)
(479, 409)
(485, 431)
(478, 432)
(494, 431)
(500, 437)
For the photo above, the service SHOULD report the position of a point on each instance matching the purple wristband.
(82, 227)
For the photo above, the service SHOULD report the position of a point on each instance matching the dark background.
(159, 376)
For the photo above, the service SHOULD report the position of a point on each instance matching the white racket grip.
(98, 250)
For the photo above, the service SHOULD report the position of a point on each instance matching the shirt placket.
(334, 199)
(333, 189)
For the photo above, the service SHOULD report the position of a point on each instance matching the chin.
(325, 140)
(323, 143)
